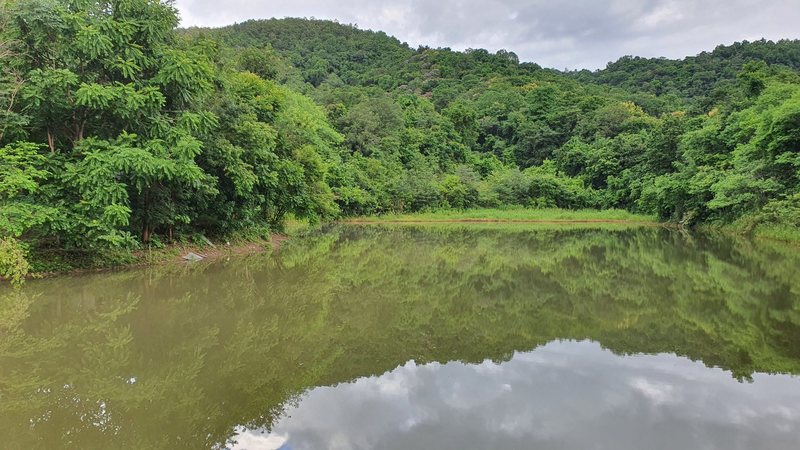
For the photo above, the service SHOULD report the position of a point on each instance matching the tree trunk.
(51, 141)
(145, 221)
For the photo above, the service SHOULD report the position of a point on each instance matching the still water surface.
(448, 337)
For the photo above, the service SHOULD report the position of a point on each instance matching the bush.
(777, 213)
(14, 265)
(540, 187)
(460, 190)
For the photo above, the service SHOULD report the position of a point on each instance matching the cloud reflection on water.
(564, 395)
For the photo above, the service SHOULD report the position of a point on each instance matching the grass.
(297, 227)
(778, 226)
(774, 232)
(513, 215)
(786, 233)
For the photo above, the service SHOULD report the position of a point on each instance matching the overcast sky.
(571, 34)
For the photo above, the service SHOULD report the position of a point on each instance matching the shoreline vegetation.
(62, 263)
(551, 216)
(120, 131)
(170, 254)
(745, 228)
(518, 218)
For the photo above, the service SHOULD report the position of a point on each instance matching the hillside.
(695, 76)
(322, 48)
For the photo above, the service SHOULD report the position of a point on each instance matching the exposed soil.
(210, 253)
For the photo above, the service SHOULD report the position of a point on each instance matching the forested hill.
(321, 48)
(326, 51)
(695, 76)
(118, 130)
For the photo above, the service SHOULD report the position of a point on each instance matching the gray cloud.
(563, 34)
(565, 395)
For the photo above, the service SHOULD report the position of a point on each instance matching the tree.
(22, 209)
(110, 70)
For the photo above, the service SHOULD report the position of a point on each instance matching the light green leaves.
(20, 169)
(13, 263)
(93, 43)
(126, 67)
(120, 100)
(21, 174)
(96, 96)
(197, 123)
(117, 215)
(185, 75)
(738, 193)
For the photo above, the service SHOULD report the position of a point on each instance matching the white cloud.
(655, 391)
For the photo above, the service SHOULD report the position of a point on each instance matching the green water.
(405, 337)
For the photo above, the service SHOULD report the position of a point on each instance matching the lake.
(401, 337)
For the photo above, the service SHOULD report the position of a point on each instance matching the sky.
(563, 34)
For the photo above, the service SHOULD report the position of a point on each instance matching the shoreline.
(173, 254)
(412, 221)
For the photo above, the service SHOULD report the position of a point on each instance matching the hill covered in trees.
(709, 75)
(120, 130)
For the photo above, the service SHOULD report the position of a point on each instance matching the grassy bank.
(785, 233)
(519, 215)
(774, 232)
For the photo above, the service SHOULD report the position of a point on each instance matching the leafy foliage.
(118, 130)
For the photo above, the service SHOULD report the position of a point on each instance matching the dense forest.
(118, 130)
